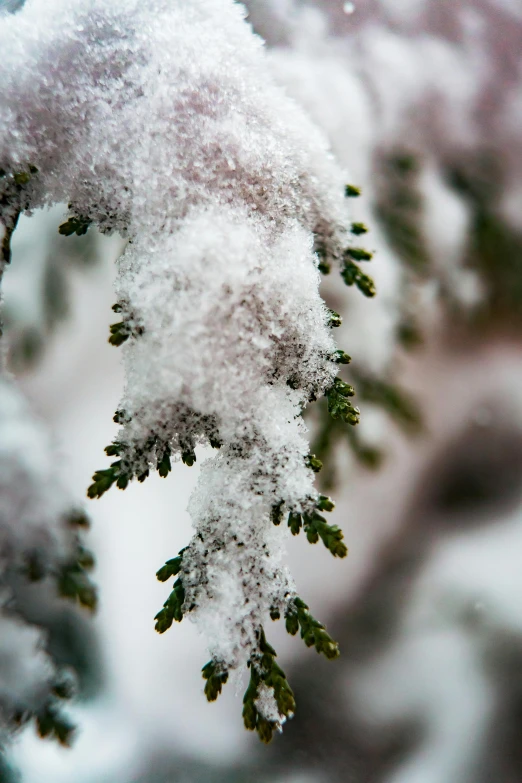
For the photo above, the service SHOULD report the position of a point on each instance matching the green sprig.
(352, 275)
(264, 669)
(338, 405)
(325, 504)
(316, 527)
(171, 568)
(120, 471)
(164, 465)
(188, 457)
(172, 608)
(335, 319)
(104, 479)
(119, 333)
(313, 633)
(314, 463)
(340, 357)
(295, 522)
(358, 254)
(216, 676)
(127, 327)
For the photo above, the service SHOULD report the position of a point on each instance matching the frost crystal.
(161, 120)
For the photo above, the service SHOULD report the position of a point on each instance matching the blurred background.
(422, 103)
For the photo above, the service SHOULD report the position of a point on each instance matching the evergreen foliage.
(399, 208)
(42, 542)
(225, 350)
(480, 181)
(235, 328)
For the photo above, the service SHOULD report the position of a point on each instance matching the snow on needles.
(160, 120)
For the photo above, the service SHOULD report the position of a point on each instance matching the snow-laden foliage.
(39, 543)
(419, 101)
(439, 83)
(161, 120)
(373, 89)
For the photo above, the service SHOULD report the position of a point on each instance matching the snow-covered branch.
(161, 120)
(39, 546)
